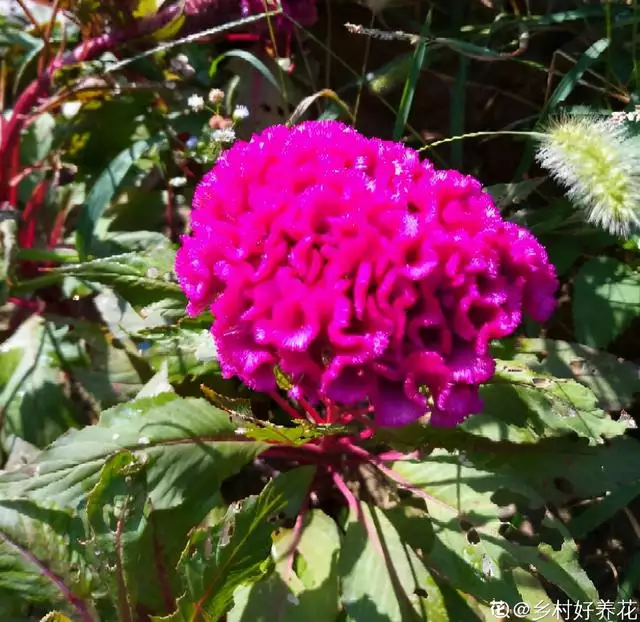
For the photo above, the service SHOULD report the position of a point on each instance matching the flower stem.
(437, 143)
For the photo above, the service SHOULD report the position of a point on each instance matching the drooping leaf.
(304, 589)
(189, 448)
(606, 298)
(236, 552)
(471, 545)
(140, 278)
(613, 381)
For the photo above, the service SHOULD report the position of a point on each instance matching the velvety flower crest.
(361, 272)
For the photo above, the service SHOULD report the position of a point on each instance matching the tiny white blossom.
(196, 102)
(224, 136)
(240, 112)
(178, 182)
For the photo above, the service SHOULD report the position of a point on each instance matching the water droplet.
(143, 440)
(76, 298)
(115, 437)
(293, 599)
(153, 273)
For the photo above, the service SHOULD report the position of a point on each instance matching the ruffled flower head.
(361, 272)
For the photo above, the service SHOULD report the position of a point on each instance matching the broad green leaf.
(187, 350)
(140, 278)
(103, 191)
(606, 298)
(613, 381)
(127, 533)
(523, 407)
(33, 395)
(188, 446)
(470, 548)
(236, 552)
(39, 558)
(382, 578)
(307, 589)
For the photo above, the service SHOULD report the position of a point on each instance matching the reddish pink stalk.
(10, 145)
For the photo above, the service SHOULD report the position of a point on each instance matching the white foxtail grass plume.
(598, 161)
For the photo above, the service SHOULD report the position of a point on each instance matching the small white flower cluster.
(239, 113)
(620, 116)
(196, 102)
(178, 182)
(226, 135)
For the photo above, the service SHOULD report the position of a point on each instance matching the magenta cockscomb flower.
(361, 272)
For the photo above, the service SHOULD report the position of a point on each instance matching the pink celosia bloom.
(360, 271)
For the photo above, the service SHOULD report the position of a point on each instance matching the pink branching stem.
(352, 502)
(310, 410)
(286, 406)
(395, 456)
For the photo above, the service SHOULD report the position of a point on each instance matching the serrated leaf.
(606, 298)
(613, 381)
(32, 384)
(305, 590)
(236, 552)
(189, 448)
(140, 278)
(382, 578)
(459, 493)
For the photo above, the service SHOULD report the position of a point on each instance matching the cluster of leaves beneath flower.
(140, 515)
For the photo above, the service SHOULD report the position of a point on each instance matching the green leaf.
(382, 578)
(39, 559)
(188, 447)
(606, 298)
(505, 195)
(303, 588)
(140, 278)
(470, 547)
(236, 552)
(103, 191)
(299, 433)
(613, 381)
(523, 407)
(128, 534)
(33, 396)
(187, 350)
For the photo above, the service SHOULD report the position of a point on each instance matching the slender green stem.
(537, 135)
